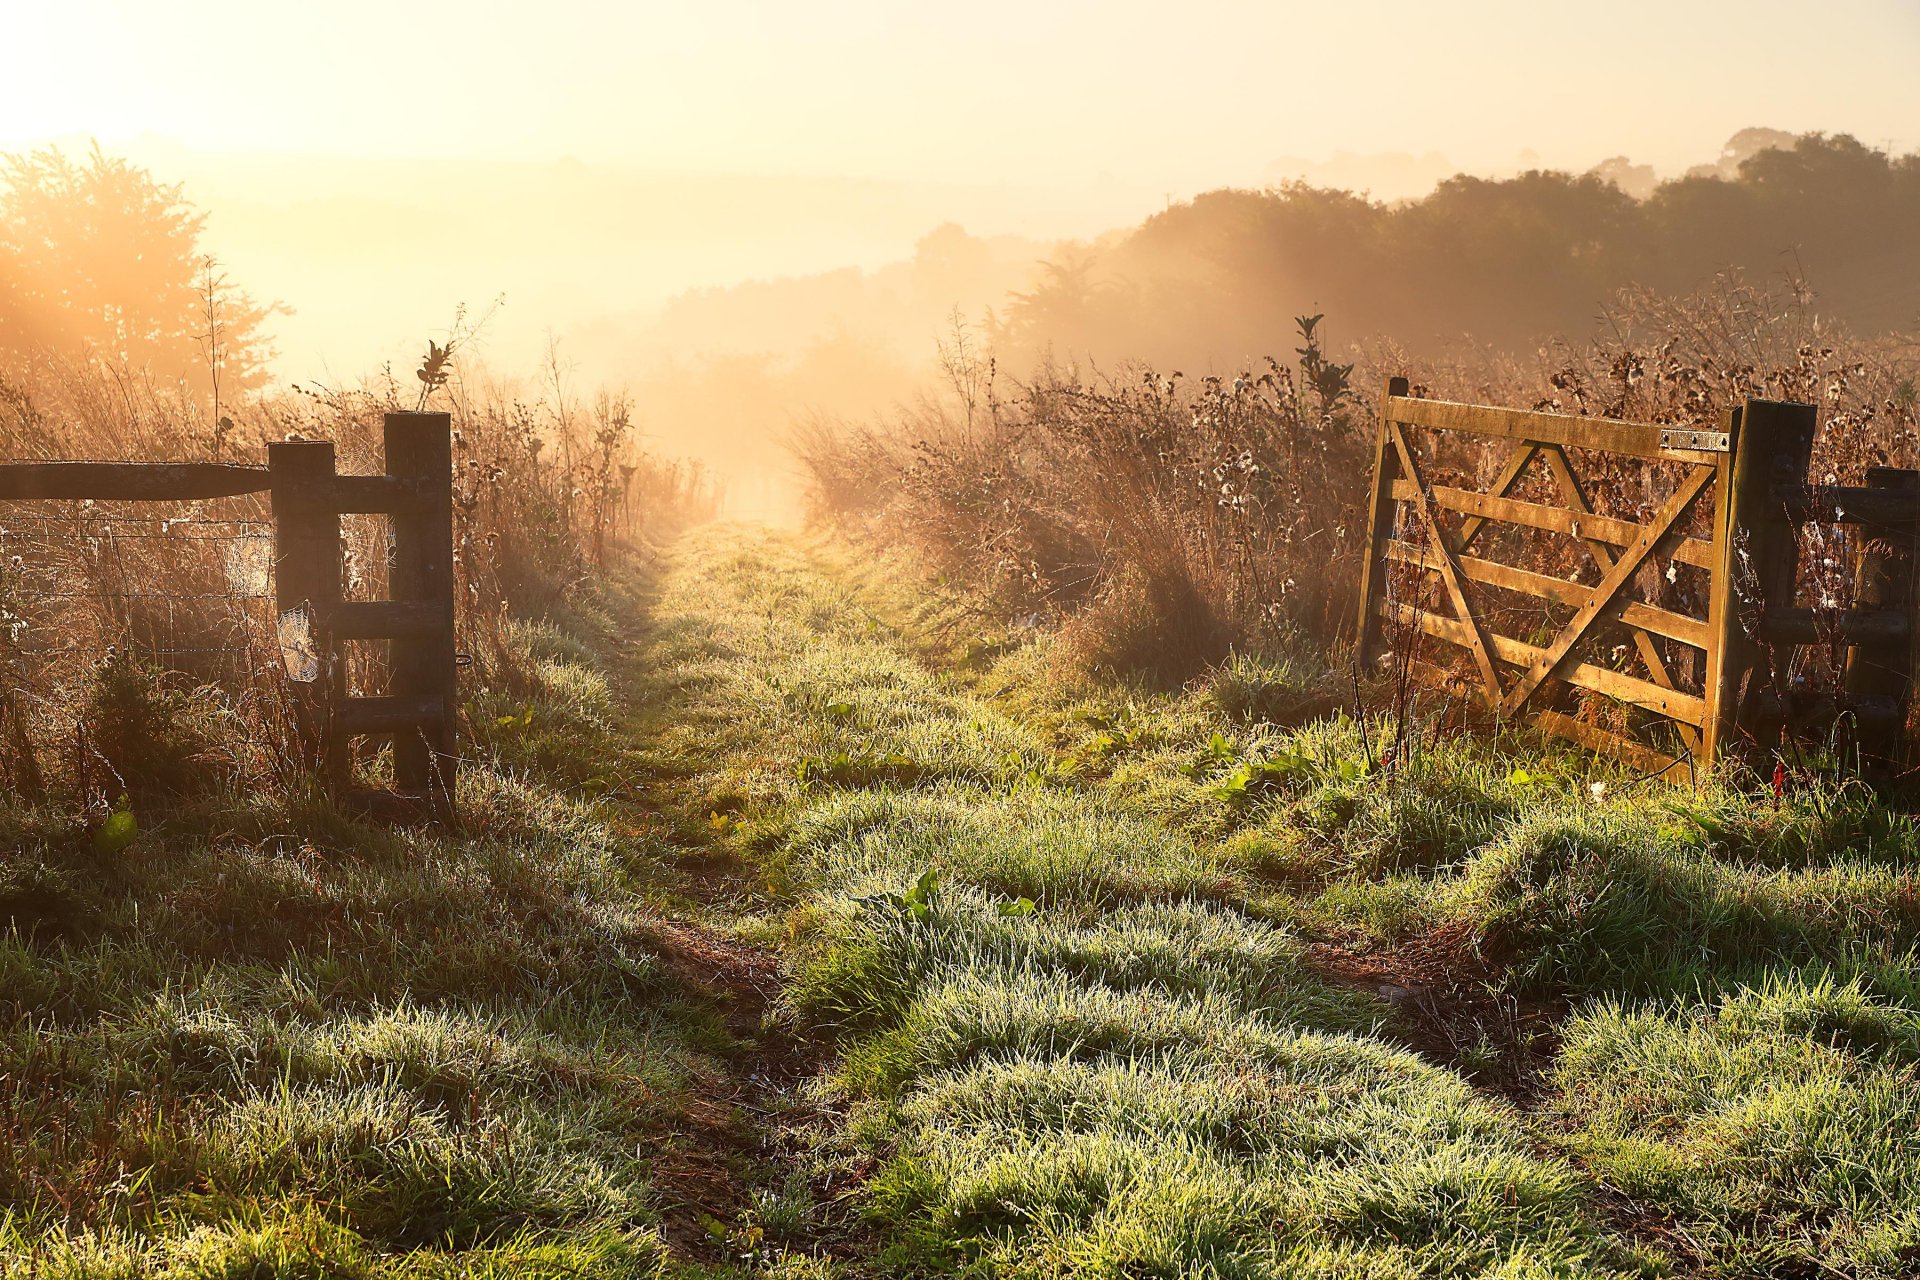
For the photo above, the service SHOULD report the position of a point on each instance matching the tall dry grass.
(1164, 518)
(138, 652)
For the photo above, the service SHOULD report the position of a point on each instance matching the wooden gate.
(1698, 591)
(308, 498)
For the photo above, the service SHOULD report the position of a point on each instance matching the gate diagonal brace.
(1517, 460)
(1449, 568)
(1648, 648)
(1652, 534)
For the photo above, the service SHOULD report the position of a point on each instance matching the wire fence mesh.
(185, 591)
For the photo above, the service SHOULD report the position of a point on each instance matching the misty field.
(1005, 869)
(799, 926)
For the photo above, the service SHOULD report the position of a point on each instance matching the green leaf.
(1708, 824)
(118, 831)
(919, 900)
(840, 710)
(1018, 907)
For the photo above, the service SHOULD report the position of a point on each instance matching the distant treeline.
(1506, 262)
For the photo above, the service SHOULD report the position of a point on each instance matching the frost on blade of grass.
(1030, 842)
(864, 967)
(1644, 898)
(1187, 1161)
(1286, 693)
(1069, 1045)
(408, 1172)
(272, 1038)
(1780, 1125)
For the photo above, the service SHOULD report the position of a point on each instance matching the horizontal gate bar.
(1675, 626)
(129, 481)
(389, 713)
(1820, 708)
(1635, 439)
(1842, 504)
(1671, 703)
(1534, 515)
(1634, 755)
(1820, 626)
(387, 619)
(371, 495)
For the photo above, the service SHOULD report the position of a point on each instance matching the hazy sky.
(994, 90)
(371, 163)
(374, 163)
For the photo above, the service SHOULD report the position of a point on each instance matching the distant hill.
(1217, 280)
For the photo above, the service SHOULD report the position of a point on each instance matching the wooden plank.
(374, 495)
(385, 619)
(307, 570)
(1449, 683)
(1882, 667)
(1575, 496)
(1534, 515)
(1635, 439)
(129, 481)
(1634, 755)
(1675, 626)
(1841, 504)
(1847, 626)
(1502, 485)
(1379, 530)
(1671, 703)
(1776, 443)
(1449, 573)
(1811, 707)
(390, 713)
(1631, 558)
(1726, 633)
(419, 455)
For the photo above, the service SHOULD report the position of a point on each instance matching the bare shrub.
(179, 597)
(1177, 517)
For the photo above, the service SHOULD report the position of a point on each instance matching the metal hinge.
(1698, 441)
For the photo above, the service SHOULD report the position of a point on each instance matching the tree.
(96, 258)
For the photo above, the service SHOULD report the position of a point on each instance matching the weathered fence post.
(1725, 659)
(1380, 509)
(1759, 567)
(419, 457)
(306, 589)
(420, 711)
(1880, 667)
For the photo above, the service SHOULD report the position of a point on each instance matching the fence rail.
(308, 497)
(1712, 661)
(129, 481)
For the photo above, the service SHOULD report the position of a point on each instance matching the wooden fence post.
(1724, 632)
(1882, 668)
(308, 568)
(1759, 565)
(419, 455)
(1380, 508)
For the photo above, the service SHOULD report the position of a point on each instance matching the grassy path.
(1104, 982)
(1073, 1038)
(800, 924)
